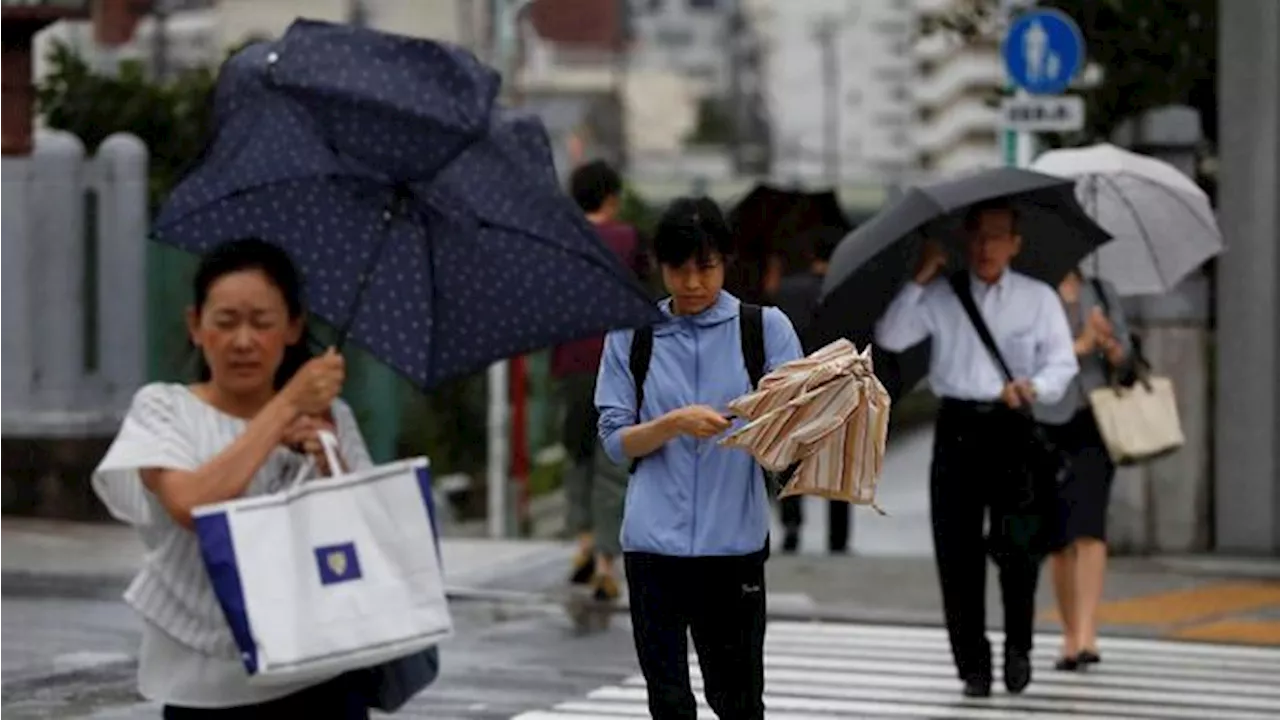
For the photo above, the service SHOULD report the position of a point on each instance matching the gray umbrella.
(872, 263)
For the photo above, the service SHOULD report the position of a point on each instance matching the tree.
(1150, 54)
(173, 119)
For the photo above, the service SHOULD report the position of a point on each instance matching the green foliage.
(1151, 54)
(172, 119)
(714, 125)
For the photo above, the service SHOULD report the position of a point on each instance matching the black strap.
(641, 352)
(751, 331)
(751, 328)
(1102, 295)
(960, 283)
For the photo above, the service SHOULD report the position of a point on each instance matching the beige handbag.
(1138, 422)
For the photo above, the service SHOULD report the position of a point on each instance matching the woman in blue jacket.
(695, 528)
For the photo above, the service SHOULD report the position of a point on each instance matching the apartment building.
(838, 84)
(956, 89)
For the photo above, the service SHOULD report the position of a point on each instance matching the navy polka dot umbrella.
(428, 225)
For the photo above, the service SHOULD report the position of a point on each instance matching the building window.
(702, 4)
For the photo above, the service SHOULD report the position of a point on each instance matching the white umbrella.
(1163, 224)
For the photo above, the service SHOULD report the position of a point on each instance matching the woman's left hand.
(303, 436)
(1113, 350)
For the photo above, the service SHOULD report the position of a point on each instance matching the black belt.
(973, 406)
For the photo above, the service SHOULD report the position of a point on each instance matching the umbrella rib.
(592, 259)
(1142, 230)
(366, 277)
(1177, 197)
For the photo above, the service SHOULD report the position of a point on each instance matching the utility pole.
(160, 40)
(825, 34)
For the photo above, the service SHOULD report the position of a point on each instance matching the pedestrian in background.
(1079, 535)
(695, 530)
(245, 428)
(797, 295)
(976, 468)
(594, 489)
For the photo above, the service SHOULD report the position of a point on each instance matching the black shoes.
(1081, 661)
(1017, 671)
(978, 686)
(791, 541)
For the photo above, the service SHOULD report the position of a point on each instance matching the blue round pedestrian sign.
(1043, 51)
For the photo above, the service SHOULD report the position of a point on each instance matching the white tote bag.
(331, 574)
(1138, 422)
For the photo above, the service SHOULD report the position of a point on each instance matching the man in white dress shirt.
(978, 466)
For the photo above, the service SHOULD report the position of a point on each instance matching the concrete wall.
(74, 293)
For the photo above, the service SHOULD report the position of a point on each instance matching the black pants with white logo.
(720, 601)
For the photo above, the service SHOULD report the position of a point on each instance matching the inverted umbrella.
(827, 412)
(438, 264)
(874, 261)
(1163, 223)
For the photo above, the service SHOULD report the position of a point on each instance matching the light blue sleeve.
(615, 393)
(781, 344)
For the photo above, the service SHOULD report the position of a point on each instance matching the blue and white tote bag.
(328, 575)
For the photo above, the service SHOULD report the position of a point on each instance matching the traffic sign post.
(1043, 51)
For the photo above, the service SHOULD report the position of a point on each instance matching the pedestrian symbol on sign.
(1043, 51)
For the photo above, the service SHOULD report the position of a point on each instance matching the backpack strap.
(641, 352)
(751, 328)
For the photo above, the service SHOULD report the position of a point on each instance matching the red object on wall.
(518, 384)
(17, 105)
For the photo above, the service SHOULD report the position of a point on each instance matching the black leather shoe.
(791, 542)
(1067, 664)
(977, 687)
(1088, 657)
(1017, 672)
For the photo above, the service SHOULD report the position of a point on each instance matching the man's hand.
(1018, 393)
(933, 258)
(699, 421)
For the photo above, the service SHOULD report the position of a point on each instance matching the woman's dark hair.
(594, 183)
(255, 254)
(692, 228)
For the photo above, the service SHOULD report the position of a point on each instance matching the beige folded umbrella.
(828, 412)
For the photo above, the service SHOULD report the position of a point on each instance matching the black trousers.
(720, 601)
(978, 472)
(837, 520)
(341, 698)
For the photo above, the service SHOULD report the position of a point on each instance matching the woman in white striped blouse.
(244, 429)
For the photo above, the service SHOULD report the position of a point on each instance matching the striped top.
(188, 655)
(829, 413)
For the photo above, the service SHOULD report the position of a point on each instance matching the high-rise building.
(838, 82)
(957, 86)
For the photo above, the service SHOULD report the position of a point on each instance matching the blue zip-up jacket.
(690, 497)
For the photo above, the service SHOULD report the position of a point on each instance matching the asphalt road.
(73, 657)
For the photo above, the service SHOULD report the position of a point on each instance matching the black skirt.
(1081, 507)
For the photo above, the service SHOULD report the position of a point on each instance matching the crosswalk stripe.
(820, 671)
